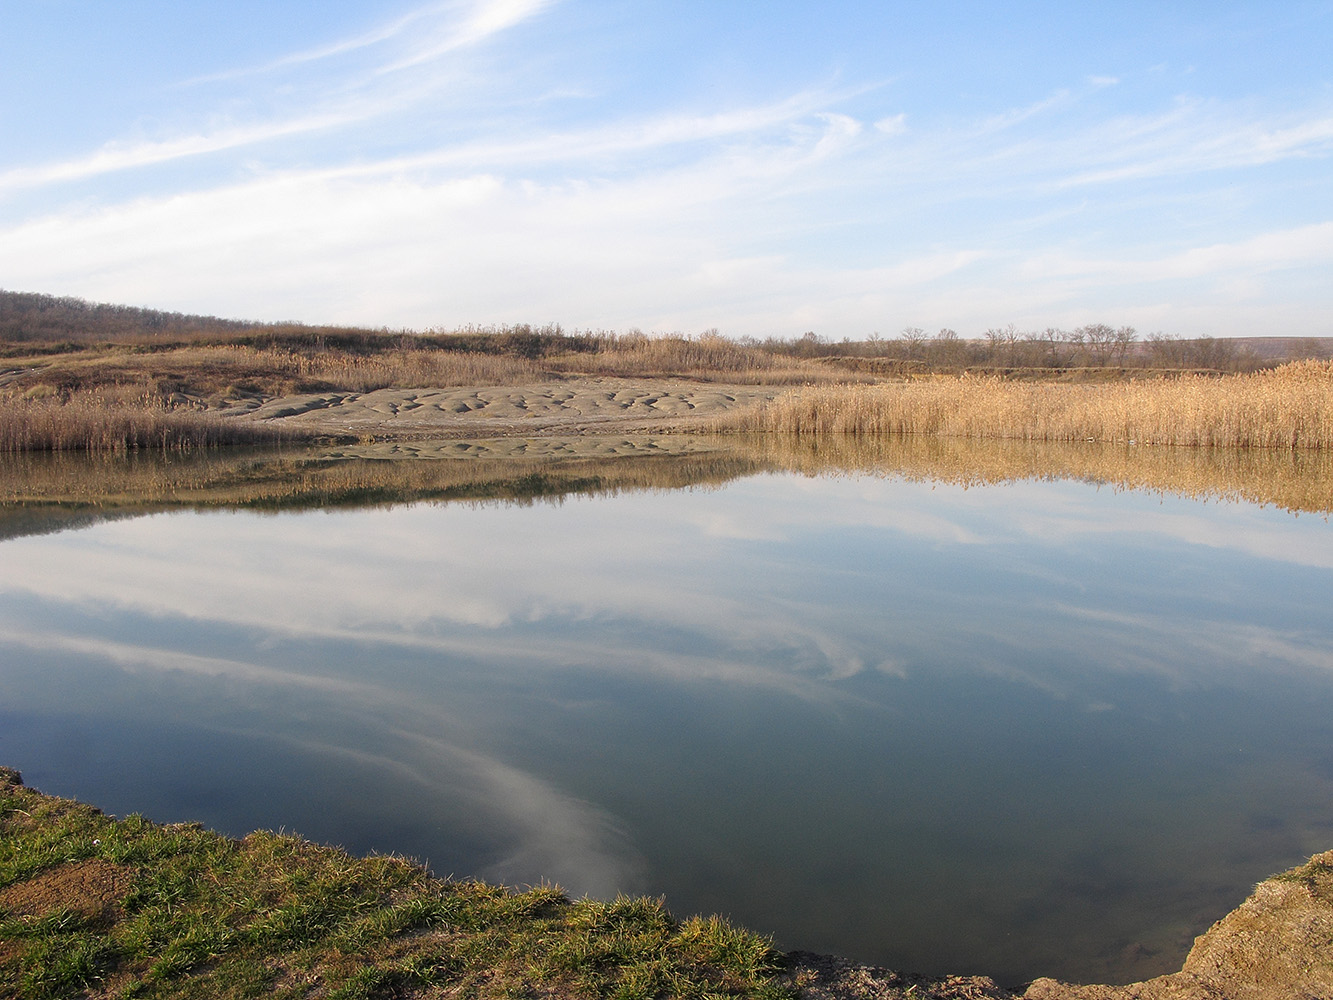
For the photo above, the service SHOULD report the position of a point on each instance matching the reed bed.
(1288, 407)
(100, 421)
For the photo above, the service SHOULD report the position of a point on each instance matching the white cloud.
(381, 33)
(893, 125)
(1191, 138)
(760, 218)
(459, 24)
(467, 25)
(119, 156)
(1303, 246)
(483, 19)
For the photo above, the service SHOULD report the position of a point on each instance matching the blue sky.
(766, 169)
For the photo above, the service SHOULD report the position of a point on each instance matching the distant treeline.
(34, 323)
(1092, 346)
(28, 317)
(31, 322)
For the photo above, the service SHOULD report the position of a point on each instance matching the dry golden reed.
(98, 421)
(1287, 407)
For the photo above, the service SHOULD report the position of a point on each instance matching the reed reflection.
(42, 491)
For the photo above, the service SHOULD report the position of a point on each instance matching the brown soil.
(92, 889)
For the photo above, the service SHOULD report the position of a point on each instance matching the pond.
(1017, 711)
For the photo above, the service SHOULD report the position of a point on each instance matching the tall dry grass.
(1287, 407)
(407, 369)
(112, 421)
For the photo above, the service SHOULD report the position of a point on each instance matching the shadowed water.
(1011, 710)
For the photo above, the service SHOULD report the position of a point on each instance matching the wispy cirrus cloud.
(1298, 246)
(321, 181)
(458, 24)
(455, 26)
(1196, 138)
(119, 156)
(480, 21)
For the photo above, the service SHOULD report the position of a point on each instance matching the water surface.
(960, 721)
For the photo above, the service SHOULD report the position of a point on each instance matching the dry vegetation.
(98, 377)
(708, 358)
(117, 421)
(1287, 407)
(122, 396)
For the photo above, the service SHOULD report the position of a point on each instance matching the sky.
(764, 169)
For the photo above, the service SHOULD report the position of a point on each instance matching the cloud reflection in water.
(621, 693)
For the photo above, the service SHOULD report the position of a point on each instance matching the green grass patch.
(94, 905)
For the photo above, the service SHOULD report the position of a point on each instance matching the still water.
(1009, 725)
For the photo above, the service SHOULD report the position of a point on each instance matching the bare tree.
(1099, 340)
(1121, 343)
(913, 337)
(1166, 351)
(947, 349)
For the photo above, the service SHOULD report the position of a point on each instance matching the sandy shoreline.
(568, 407)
